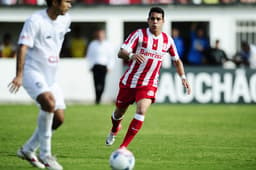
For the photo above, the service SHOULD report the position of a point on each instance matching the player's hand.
(139, 58)
(186, 85)
(15, 84)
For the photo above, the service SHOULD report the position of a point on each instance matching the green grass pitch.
(174, 137)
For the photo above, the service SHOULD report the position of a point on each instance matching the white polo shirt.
(44, 36)
(101, 52)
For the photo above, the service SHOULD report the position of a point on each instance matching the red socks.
(134, 127)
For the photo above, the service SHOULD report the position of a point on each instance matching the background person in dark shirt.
(215, 55)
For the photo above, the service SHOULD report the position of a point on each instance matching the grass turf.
(174, 137)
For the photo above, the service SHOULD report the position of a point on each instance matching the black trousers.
(99, 76)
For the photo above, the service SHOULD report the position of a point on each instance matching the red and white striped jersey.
(142, 41)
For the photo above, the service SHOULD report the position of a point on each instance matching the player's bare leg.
(137, 122)
(58, 119)
(116, 118)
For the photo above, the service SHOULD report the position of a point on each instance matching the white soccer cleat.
(112, 136)
(30, 157)
(51, 163)
(110, 139)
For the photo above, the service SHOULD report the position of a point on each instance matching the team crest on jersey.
(150, 93)
(48, 37)
(39, 85)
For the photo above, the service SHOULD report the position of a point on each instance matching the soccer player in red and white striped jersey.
(145, 50)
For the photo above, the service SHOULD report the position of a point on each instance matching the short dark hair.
(157, 10)
(49, 2)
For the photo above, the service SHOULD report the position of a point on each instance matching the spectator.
(247, 55)
(100, 57)
(178, 42)
(7, 49)
(199, 43)
(77, 44)
(216, 56)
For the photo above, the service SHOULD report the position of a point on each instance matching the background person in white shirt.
(40, 43)
(100, 57)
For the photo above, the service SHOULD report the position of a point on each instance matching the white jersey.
(100, 52)
(44, 37)
(153, 48)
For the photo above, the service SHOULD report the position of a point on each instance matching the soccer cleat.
(51, 163)
(112, 136)
(30, 157)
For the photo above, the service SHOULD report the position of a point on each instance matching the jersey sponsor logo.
(53, 59)
(150, 93)
(149, 54)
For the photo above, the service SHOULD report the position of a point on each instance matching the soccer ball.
(122, 159)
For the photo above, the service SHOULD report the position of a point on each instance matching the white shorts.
(35, 84)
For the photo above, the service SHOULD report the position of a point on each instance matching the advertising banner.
(209, 85)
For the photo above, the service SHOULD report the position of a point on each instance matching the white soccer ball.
(122, 159)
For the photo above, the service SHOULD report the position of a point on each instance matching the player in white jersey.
(40, 43)
(144, 49)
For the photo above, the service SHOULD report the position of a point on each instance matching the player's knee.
(47, 102)
(48, 106)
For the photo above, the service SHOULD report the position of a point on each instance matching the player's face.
(155, 23)
(64, 6)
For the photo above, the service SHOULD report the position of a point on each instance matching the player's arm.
(17, 81)
(125, 55)
(180, 70)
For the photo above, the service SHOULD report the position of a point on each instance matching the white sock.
(33, 143)
(139, 117)
(45, 120)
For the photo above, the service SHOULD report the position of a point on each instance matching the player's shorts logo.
(119, 101)
(48, 37)
(39, 85)
(150, 93)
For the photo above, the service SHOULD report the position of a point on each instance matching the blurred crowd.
(127, 2)
(197, 51)
(194, 50)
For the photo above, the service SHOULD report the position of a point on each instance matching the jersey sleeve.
(130, 44)
(28, 33)
(173, 51)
